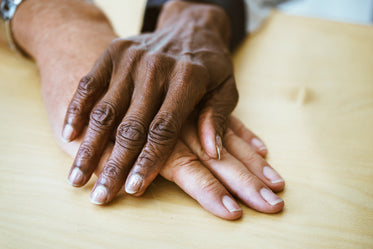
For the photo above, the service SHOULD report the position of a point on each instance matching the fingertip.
(224, 207)
(277, 186)
(68, 133)
(275, 181)
(138, 180)
(248, 136)
(262, 153)
(232, 215)
(134, 184)
(274, 209)
(76, 177)
(259, 146)
(141, 176)
(274, 203)
(261, 199)
(232, 207)
(99, 195)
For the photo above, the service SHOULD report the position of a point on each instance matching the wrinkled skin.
(242, 172)
(142, 90)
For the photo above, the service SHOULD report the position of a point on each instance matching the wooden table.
(306, 88)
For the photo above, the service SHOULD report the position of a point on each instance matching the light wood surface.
(306, 87)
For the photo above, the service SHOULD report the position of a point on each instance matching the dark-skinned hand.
(141, 91)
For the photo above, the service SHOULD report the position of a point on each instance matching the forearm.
(44, 27)
(65, 37)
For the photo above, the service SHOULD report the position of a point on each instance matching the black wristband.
(235, 9)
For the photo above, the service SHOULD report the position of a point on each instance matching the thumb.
(214, 116)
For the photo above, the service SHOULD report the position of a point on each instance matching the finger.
(253, 161)
(165, 127)
(130, 137)
(103, 119)
(235, 176)
(249, 137)
(189, 174)
(91, 87)
(245, 185)
(184, 168)
(214, 116)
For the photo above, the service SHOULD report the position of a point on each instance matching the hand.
(144, 88)
(241, 172)
(60, 69)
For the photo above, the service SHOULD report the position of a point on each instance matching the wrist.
(43, 28)
(185, 15)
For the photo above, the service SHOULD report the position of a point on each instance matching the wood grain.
(306, 87)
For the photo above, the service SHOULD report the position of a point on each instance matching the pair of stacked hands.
(155, 103)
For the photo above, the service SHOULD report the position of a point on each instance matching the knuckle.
(116, 42)
(119, 43)
(227, 95)
(164, 129)
(187, 69)
(252, 158)
(147, 159)
(135, 51)
(103, 116)
(153, 59)
(183, 165)
(208, 183)
(85, 151)
(233, 92)
(191, 78)
(199, 68)
(158, 59)
(87, 85)
(247, 178)
(131, 134)
(157, 66)
(220, 121)
(75, 108)
(112, 170)
(151, 155)
(185, 160)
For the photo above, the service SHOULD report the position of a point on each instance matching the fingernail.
(230, 204)
(68, 132)
(134, 184)
(272, 175)
(219, 146)
(259, 145)
(99, 195)
(76, 177)
(270, 197)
